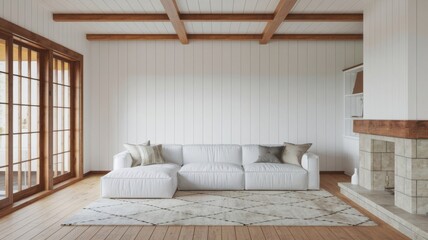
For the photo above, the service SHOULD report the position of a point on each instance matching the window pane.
(35, 168)
(60, 163)
(66, 118)
(3, 187)
(60, 142)
(3, 151)
(3, 118)
(55, 71)
(35, 145)
(16, 119)
(55, 94)
(16, 90)
(60, 72)
(66, 97)
(34, 64)
(55, 165)
(3, 56)
(67, 162)
(16, 152)
(55, 117)
(66, 73)
(15, 59)
(25, 123)
(24, 62)
(60, 119)
(35, 88)
(25, 139)
(25, 84)
(35, 119)
(55, 142)
(60, 96)
(3, 87)
(66, 141)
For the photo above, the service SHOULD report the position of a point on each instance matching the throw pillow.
(151, 155)
(293, 153)
(135, 154)
(270, 154)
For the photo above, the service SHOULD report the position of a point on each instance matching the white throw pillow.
(135, 153)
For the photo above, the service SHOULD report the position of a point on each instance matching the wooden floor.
(42, 220)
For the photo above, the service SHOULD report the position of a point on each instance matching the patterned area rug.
(289, 208)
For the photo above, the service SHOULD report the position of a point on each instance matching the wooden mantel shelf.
(410, 129)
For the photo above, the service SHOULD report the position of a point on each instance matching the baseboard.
(332, 172)
(104, 172)
(96, 173)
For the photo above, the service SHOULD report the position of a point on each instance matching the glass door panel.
(4, 115)
(61, 118)
(26, 127)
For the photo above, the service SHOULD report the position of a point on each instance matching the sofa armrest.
(122, 160)
(310, 162)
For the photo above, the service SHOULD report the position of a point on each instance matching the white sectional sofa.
(207, 167)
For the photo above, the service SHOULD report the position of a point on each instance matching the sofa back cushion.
(250, 153)
(212, 154)
(172, 153)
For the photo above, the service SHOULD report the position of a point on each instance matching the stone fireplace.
(393, 181)
(402, 164)
(394, 155)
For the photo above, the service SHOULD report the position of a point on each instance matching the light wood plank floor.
(42, 220)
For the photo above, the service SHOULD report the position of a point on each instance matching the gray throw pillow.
(151, 155)
(270, 154)
(135, 153)
(293, 153)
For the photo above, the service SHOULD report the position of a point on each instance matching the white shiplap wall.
(217, 92)
(33, 16)
(395, 59)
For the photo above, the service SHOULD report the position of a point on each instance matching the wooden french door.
(5, 118)
(37, 120)
(63, 164)
(26, 104)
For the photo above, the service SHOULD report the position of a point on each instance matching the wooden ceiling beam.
(136, 17)
(324, 17)
(282, 10)
(258, 37)
(171, 10)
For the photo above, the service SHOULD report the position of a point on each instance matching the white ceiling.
(208, 6)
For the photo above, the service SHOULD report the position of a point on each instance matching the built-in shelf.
(353, 110)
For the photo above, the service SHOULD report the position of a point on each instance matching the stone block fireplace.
(393, 173)
(396, 163)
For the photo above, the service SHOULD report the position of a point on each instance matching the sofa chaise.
(207, 167)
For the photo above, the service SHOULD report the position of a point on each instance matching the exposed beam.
(108, 17)
(324, 18)
(131, 37)
(171, 10)
(137, 17)
(282, 10)
(309, 37)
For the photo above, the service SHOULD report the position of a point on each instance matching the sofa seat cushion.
(152, 181)
(211, 176)
(275, 176)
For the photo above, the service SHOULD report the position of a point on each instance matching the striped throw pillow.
(135, 153)
(151, 154)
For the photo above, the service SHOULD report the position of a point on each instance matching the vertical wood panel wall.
(217, 92)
